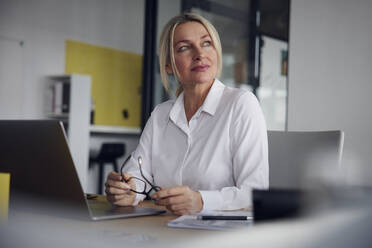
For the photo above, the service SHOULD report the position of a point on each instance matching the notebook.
(43, 174)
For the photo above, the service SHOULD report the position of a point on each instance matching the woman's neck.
(194, 97)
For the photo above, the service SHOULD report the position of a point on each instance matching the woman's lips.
(200, 68)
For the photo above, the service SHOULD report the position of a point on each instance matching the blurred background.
(93, 65)
(308, 62)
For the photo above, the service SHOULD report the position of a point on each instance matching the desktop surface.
(31, 228)
(326, 229)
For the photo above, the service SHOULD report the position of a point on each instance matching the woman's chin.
(203, 80)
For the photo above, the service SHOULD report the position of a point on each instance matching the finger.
(172, 200)
(131, 183)
(114, 176)
(115, 191)
(177, 207)
(114, 198)
(117, 184)
(181, 211)
(127, 176)
(167, 192)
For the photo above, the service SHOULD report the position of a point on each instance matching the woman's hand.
(179, 200)
(118, 192)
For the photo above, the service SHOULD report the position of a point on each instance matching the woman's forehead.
(189, 31)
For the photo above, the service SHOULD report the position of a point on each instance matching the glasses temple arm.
(122, 167)
(145, 177)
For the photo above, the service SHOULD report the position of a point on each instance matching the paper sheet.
(191, 221)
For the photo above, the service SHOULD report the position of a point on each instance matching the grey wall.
(330, 59)
(330, 76)
(43, 26)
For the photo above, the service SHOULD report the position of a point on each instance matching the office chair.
(108, 154)
(304, 160)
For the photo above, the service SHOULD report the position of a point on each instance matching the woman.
(207, 149)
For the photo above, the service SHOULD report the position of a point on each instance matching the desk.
(331, 229)
(155, 226)
(148, 231)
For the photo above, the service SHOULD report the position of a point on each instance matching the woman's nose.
(198, 53)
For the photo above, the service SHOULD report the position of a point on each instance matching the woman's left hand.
(180, 200)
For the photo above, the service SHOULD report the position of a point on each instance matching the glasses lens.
(140, 184)
(153, 190)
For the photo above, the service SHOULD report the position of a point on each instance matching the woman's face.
(194, 54)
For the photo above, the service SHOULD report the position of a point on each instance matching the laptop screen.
(36, 154)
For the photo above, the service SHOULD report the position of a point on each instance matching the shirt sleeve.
(249, 151)
(143, 150)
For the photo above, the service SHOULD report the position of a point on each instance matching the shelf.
(63, 78)
(75, 117)
(63, 116)
(114, 129)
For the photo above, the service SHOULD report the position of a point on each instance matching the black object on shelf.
(108, 154)
(66, 97)
(125, 113)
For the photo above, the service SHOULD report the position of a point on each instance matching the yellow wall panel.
(116, 81)
(4, 196)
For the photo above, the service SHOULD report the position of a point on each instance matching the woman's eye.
(182, 48)
(207, 43)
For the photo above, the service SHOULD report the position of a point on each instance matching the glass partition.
(254, 37)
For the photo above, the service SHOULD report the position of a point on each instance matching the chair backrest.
(111, 151)
(301, 160)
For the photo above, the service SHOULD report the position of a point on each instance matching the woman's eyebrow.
(188, 41)
(184, 41)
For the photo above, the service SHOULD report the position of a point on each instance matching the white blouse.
(222, 152)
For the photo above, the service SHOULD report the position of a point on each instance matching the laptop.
(43, 174)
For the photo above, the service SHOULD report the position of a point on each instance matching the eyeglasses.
(139, 181)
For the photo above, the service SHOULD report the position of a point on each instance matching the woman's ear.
(168, 69)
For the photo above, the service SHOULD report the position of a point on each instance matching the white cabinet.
(75, 116)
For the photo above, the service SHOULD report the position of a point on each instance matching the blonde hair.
(166, 52)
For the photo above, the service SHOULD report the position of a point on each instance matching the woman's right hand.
(118, 192)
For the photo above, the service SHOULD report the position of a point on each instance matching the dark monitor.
(274, 204)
